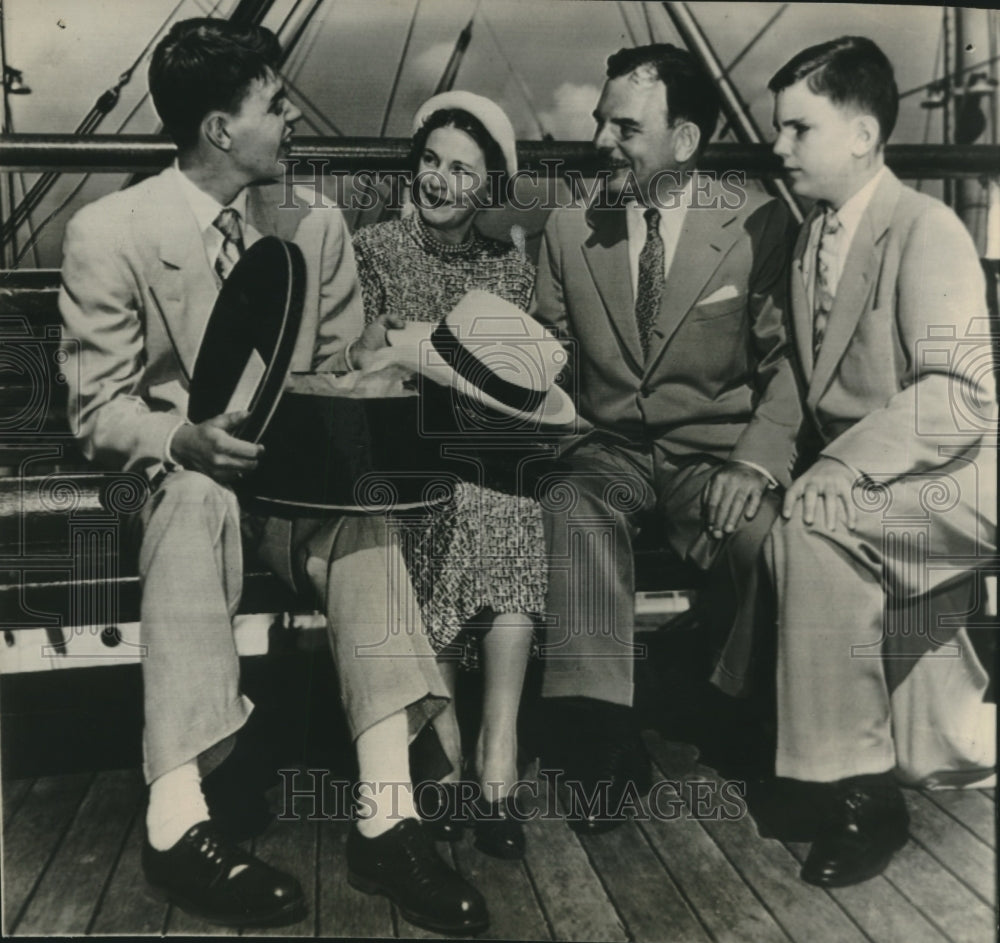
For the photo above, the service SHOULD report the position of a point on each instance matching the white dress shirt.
(850, 218)
(671, 224)
(205, 209)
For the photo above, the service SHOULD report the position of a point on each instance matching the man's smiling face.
(633, 133)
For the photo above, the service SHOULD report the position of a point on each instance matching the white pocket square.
(721, 294)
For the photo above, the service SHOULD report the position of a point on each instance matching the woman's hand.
(373, 338)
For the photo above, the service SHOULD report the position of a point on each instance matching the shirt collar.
(205, 207)
(851, 212)
(680, 203)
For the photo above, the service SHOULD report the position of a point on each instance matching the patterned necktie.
(826, 258)
(649, 291)
(228, 223)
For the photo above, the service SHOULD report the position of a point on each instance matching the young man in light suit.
(671, 296)
(142, 270)
(889, 316)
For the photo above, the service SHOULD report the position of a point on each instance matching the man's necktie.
(826, 257)
(649, 290)
(228, 223)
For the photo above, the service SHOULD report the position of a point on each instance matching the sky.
(541, 60)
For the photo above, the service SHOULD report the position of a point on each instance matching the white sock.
(393, 802)
(176, 803)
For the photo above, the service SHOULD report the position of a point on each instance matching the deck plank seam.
(15, 806)
(923, 913)
(99, 902)
(930, 851)
(673, 880)
(51, 856)
(738, 870)
(929, 794)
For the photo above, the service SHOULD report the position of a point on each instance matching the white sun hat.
(492, 116)
(491, 352)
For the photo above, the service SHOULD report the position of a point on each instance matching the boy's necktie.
(228, 223)
(826, 257)
(649, 289)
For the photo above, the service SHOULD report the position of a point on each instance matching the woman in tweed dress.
(484, 553)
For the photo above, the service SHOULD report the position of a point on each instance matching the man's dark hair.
(691, 93)
(851, 71)
(204, 65)
(496, 164)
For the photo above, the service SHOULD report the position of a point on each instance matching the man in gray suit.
(671, 296)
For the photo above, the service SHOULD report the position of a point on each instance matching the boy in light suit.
(889, 319)
(142, 270)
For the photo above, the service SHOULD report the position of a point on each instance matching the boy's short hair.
(204, 65)
(852, 71)
(691, 93)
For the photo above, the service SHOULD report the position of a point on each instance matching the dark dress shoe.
(440, 807)
(868, 825)
(601, 772)
(498, 829)
(403, 864)
(217, 881)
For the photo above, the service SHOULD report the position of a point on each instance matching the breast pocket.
(717, 310)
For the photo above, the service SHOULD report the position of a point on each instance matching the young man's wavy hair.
(205, 65)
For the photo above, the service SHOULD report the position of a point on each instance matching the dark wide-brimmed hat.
(341, 446)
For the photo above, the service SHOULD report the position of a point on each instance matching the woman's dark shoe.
(403, 864)
(440, 806)
(498, 829)
(211, 878)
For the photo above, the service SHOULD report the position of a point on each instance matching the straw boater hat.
(492, 116)
(492, 353)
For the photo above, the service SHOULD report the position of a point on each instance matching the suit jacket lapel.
(856, 282)
(802, 315)
(606, 255)
(184, 286)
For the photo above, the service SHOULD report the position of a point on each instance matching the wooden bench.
(65, 559)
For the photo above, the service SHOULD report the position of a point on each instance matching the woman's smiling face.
(451, 183)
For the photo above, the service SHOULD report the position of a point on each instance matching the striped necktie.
(649, 290)
(228, 223)
(826, 260)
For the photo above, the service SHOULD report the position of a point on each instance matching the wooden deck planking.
(128, 900)
(340, 910)
(882, 912)
(641, 889)
(940, 896)
(515, 912)
(974, 808)
(571, 894)
(716, 891)
(77, 842)
(87, 854)
(14, 794)
(972, 861)
(766, 865)
(31, 837)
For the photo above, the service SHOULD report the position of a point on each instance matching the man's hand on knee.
(733, 492)
(209, 447)
(829, 483)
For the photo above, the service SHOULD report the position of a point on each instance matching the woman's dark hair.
(496, 165)
(204, 65)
